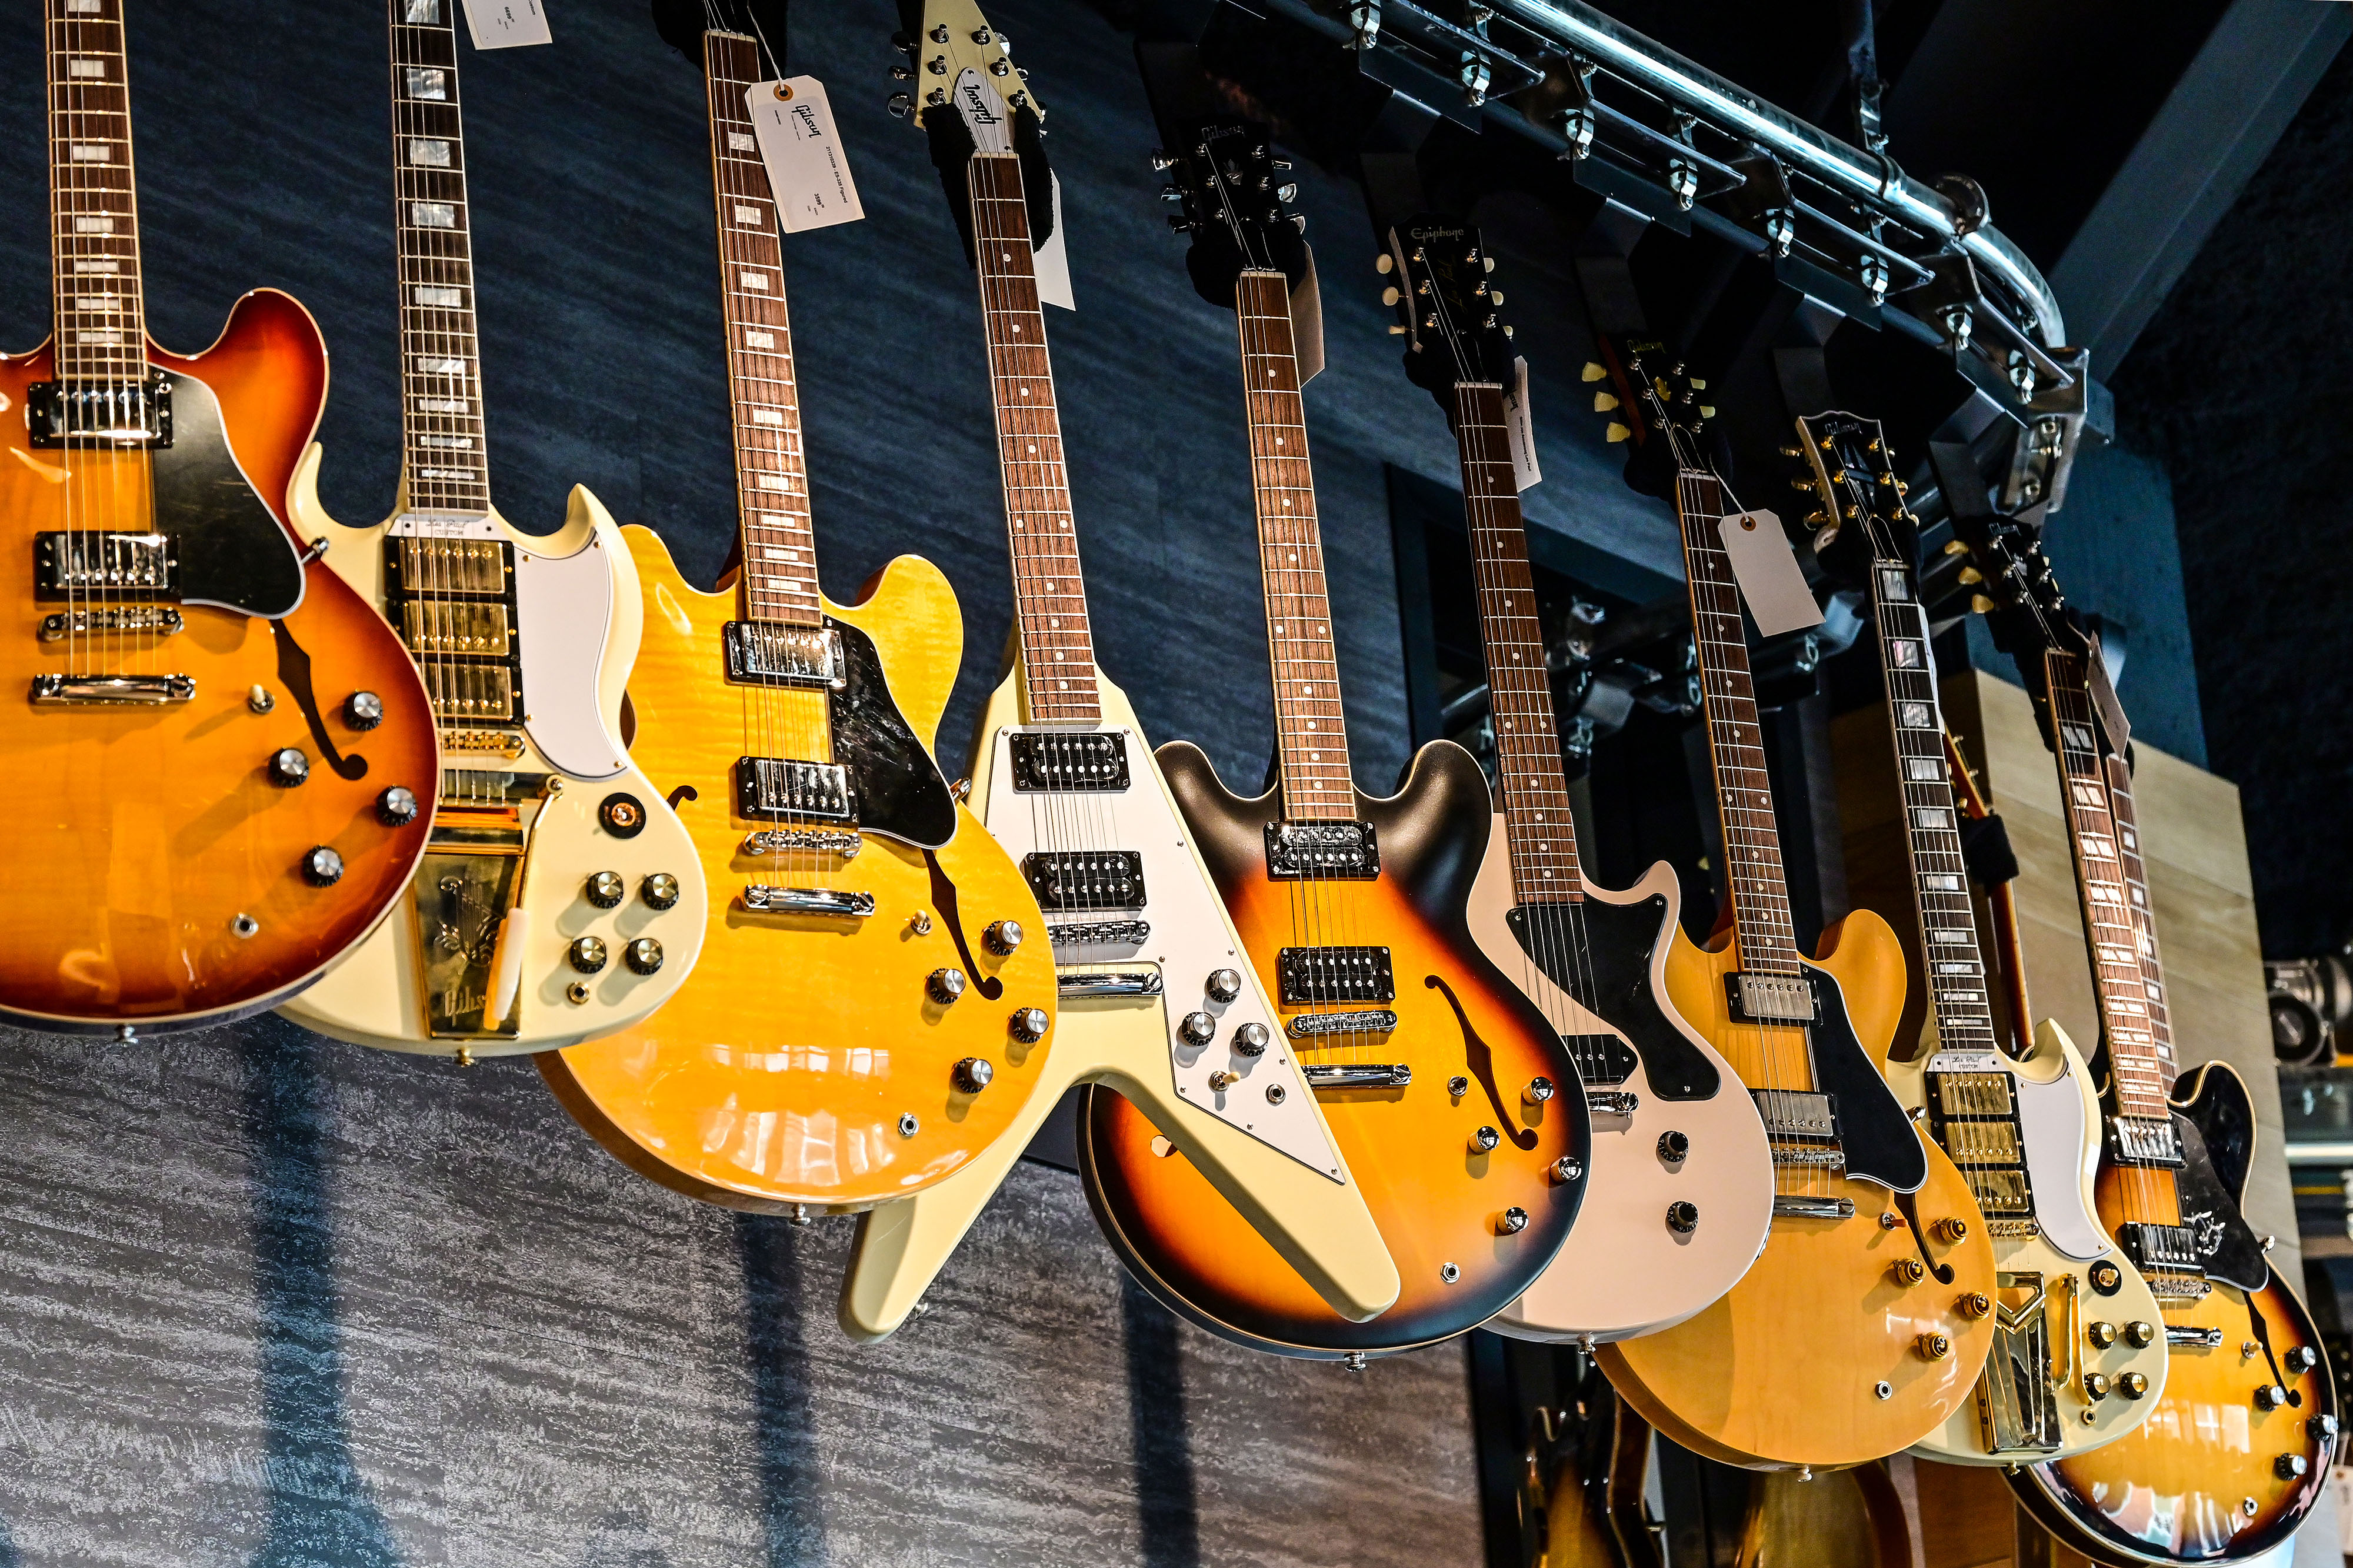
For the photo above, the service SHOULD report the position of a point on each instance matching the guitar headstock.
(957, 61)
(1447, 305)
(1235, 196)
(1862, 514)
(1652, 400)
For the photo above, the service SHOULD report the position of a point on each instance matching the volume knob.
(643, 956)
(1539, 1090)
(1483, 1141)
(972, 1074)
(362, 710)
(944, 985)
(587, 954)
(2270, 1396)
(289, 767)
(1250, 1040)
(659, 891)
(1682, 1218)
(1003, 937)
(1224, 985)
(605, 889)
(1028, 1025)
(1197, 1028)
(397, 808)
(2101, 1335)
(2299, 1359)
(322, 868)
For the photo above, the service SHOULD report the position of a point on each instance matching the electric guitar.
(1866, 1321)
(2239, 1442)
(1681, 1193)
(2077, 1356)
(868, 1014)
(1440, 1081)
(223, 768)
(560, 899)
(1161, 1005)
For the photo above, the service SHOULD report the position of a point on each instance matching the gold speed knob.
(1935, 1346)
(1907, 1271)
(1950, 1229)
(2133, 1385)
(1973, 1304)
(2140, 1335)
(2101, 1335)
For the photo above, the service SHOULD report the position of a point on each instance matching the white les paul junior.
(1159, 1001)
(560, 899)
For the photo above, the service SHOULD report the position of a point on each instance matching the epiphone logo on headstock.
(1435, 231)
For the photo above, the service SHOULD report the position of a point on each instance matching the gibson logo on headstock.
(985, 114)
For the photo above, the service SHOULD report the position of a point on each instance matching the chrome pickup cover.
(1312, 1026)
(787, 786)
(1796, 1113)
(1771, 998)
(1359, 1075)
(764, 653)
(85, 561)
(1337, 850)
(114, 414)
(2144, 1141)
(2166, 1247)
(112, 690)
(1090, 759)
(809, 901)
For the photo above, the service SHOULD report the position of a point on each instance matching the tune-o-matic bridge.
(1098, 933)
(1085, 878)
(787, 786)
(1771, 998)
(1324, 849)
(114, 414)
(1094, 760)
(2144, 1141)
(1307, 975)
(1316, 1026)
(84, 563)
(768, 653)
(123, 620)
(838, 841)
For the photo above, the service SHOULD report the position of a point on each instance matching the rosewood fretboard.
(93, 205)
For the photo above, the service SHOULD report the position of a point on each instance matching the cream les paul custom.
(559, 898)
(1160, 1003)
(1681, 1198)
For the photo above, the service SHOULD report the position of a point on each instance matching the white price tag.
(1054, 261)
(1767, 572)
(1520, 428)
(807, 172)
(507, 23)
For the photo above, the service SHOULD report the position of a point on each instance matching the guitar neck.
(1310, 730)
(1752, 842)
(1050, 595)
(441, 367)
(101, 334)
(1542, 832)
(2144, 920)
(1932, 834)
(779, 544)
(2124, 954)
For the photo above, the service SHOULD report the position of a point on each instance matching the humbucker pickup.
(1601, 1058)
(1316, 1026)
(1796, 1113)
(83, 562)
(2170, 1248)
(1325, 849)
(765, 653)
(1311, 974)
(1085, 878)
(1093, 760)
(785, 786)
(1771, 998)
(2144, 1141)
(125, 413)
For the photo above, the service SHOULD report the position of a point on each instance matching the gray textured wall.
(269, 1300)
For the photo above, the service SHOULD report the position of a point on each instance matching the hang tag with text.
(1520, 427)
(1052, 262)
(1307, 324)
(505, 24)
(1767, 569)
(808, 173)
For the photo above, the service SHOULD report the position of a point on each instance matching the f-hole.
(943, 898)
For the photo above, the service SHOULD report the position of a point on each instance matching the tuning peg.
(1604, 402)
(1616, 433)
(1389, 296)
(1594, 371)
(1816, 518)
(1971, 574)
(1396, 329)
(1494, 295)
(1697, 384)
(1954, 547)
(1287, 193)
(900, 106)
(1706, 411)
(1801, 484)
(902, 73)
(1507, 331)
(1161, 162)
(1981, 603)
(903, 40)
(1488, 262)
(1793, 451)
(1299, 222)
(1383, 263)
(1902, 489)
(1278, 163)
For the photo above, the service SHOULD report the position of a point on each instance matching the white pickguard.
(564, 614)
(1190, 938)
(2055, 1125)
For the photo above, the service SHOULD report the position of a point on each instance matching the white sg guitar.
(1159, 1002)
(560, 899)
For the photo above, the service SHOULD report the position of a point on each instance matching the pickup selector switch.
(289, 767)
(362, 710)
(605, 889)
(322, 868)
(643, 956)
(588, 955)
(397, 806)
(1223, 984)
(973, 1073)
(1028, 1025)
(1002, 937)
(944, 985)
(1198, 1029)
(1250, 1040)
(659, 891)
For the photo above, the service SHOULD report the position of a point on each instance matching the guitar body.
(1624, 1271)
(1785, 1371)
(177, 887)
(1438, 1202)
(2034, 1379)
(2201, 1481)
(1280, 1171)
(807, 1065)
(417, 983)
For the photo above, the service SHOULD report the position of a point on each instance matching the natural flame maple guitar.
(222, 764)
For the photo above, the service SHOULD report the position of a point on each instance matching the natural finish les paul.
(221, 765)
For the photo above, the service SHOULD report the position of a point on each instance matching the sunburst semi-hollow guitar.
(1159, 1001)
(2078, 1358)
(1861, 1329)
(560, 899)
(1681, 1198)
(1440, 1081)
(224, 765)
(866, 1016)
(2237, 1444)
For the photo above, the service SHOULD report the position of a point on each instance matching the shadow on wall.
(792, 1507)
(1161, 1441)
(319, 1508)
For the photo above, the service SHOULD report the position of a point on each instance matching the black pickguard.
(899, 791)
(1880, 1144)
(231, 549)
(2227, 1249)
(2225, 1118)
(1606, 967)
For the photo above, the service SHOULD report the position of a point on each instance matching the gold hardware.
(921, 922)
(1603, 402)
(1616, 433)
(1907, 1271)
(1594, 371)
(1934, 1347)
(1974, 1304)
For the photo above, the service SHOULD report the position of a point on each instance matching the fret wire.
(104, 343)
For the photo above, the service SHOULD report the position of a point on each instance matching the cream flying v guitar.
(2077, 1356)
(1681, 1193)
(559, 898)
(1159, 1001)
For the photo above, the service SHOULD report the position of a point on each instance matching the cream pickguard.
(577, 616)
